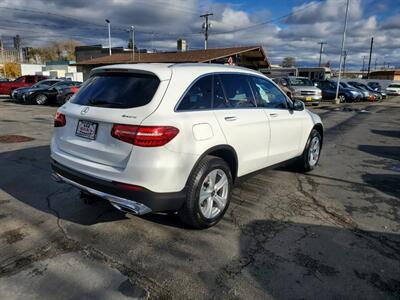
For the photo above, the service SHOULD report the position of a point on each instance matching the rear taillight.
(59, 120)
(144, 136)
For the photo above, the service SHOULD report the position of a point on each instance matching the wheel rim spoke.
(221, 183)
(204, 195)
(220, 202)
(209, 207)
(212, 178)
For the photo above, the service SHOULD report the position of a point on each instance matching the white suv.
(176, 137)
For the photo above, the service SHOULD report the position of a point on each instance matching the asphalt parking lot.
(331, 234)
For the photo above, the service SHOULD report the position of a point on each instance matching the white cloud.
(296, 36)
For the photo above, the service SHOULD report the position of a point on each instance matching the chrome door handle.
(233, 118)
(273, 115)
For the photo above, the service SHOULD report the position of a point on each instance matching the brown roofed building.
(385, 74)
(251, 57)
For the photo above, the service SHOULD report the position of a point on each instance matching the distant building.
(83, 53)
(317, 73)
(353, 74)
(277, 71)
(252, 57)
(182, 45)
(385, 74)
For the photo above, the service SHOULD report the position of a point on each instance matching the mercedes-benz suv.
(162, 137)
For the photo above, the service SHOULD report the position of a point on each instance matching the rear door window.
(237, 91)
(117, 90)
(199, 95)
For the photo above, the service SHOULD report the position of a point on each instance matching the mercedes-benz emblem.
(85, 110)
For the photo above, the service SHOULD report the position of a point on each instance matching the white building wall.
(31, 69)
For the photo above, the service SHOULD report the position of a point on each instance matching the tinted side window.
(198, 96)
(267, 94)
(30, 79)
(219, 100)
(237, 91)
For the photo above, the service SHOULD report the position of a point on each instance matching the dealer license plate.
(86, 129)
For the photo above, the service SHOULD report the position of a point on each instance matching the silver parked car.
(300, 88)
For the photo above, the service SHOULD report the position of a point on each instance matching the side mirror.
(315, 84)
(284, 83)
(298, 105)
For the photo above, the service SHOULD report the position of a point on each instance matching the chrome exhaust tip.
(56, 177)
(125, 209)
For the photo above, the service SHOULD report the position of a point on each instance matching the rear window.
(117, 90)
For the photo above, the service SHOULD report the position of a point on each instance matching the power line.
(272, 20)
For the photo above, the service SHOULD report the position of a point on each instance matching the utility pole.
(344, 61)
(206, 27)
(376, 62)
(370, 56)
(321, 49)
(363, 67)
(109, 36)
(341, 52)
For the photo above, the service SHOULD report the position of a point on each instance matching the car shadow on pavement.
(390, 152)
(306, 261)
(389, 133)
(25, 174)
(386, 183)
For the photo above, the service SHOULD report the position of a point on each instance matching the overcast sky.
(282, 27)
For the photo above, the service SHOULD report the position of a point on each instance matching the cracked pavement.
(332, 233)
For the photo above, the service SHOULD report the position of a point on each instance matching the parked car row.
(393, 89)
(313, 92)
(351, 91)
(46, 92)
(300, 88)
(6, 87)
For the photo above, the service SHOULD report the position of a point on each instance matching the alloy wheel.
(214, 193)
(41, 99)
(313, 152)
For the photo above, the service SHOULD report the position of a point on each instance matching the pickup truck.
(6, 88)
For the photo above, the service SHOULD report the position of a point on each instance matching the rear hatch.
(108, 97)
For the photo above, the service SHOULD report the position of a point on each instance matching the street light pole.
(109, 36)
(133, 42)
(341, 53)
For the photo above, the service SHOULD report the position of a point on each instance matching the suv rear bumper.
(134, 201)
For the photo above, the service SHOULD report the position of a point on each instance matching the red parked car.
(6, 88)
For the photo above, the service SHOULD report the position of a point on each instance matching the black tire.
(303, 164)
(41, 99)
(190, 213)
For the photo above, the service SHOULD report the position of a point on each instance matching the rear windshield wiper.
(98, 102)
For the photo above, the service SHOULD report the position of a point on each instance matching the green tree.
(289, 62)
